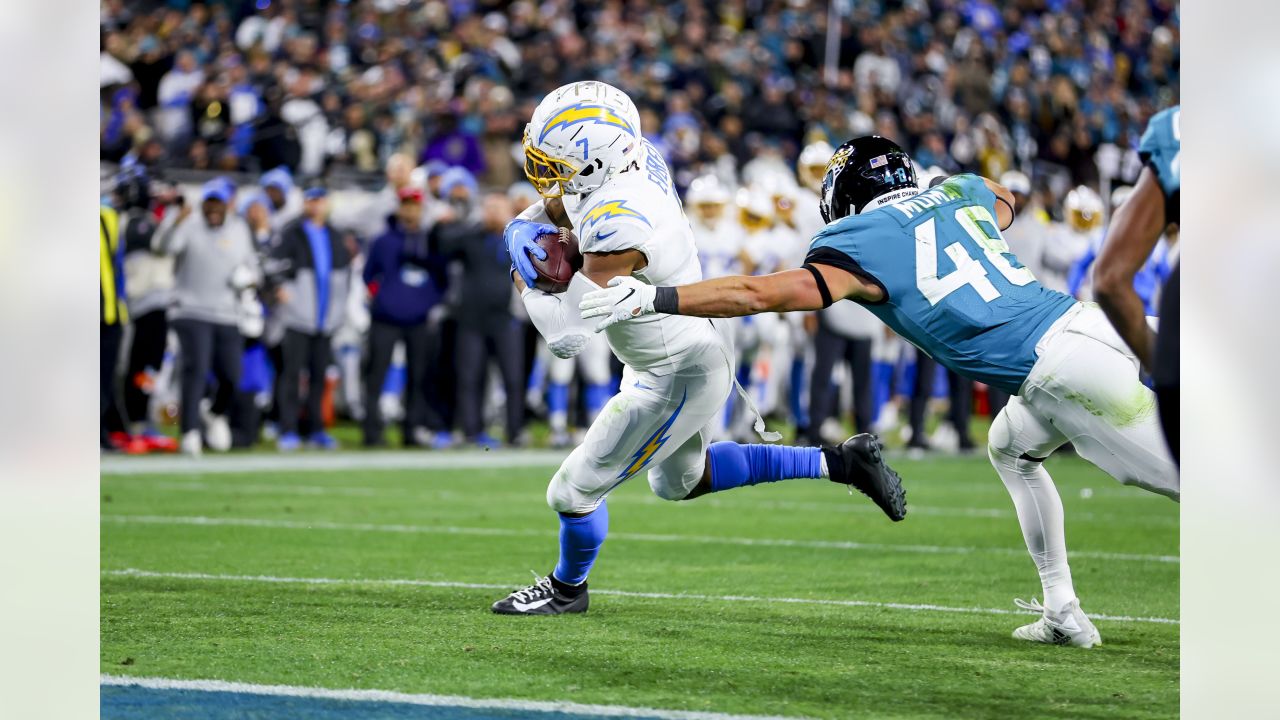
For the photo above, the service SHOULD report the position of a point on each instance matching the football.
(563, 260)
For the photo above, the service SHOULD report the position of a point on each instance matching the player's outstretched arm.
(733, 296)
(1135, 230)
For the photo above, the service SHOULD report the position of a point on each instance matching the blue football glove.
(521, 237)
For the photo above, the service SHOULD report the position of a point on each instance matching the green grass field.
(714, 605)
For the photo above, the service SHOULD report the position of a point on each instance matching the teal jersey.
(1161, 150)
(952, 288)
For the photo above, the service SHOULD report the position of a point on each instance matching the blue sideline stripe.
(131, 702)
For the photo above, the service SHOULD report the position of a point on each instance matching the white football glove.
(567, 346)
(625, 299)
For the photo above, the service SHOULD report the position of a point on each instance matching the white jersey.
(718, 247)
(639, 209)
(765, 250)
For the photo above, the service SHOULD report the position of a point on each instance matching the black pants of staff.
(206, 347)
(312, 351)
(146, 355)
(418, 347)
(960, 392)
(498, 340)
(1166, 378)
(109, 339)
(996, 400)
(828, 349)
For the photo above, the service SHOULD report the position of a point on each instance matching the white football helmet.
(580, 136)
(707, 190)
(1083, 209)
(813, 164)
(1016, 182)
(755, 209)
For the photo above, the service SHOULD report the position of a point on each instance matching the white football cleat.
(217, 432)
(1069, 626)
(191, 443)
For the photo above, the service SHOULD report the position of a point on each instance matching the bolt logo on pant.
(655, 442)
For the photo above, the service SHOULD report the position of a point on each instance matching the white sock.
(823, 471)
(1040, 515)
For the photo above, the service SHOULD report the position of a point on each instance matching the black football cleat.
(542, 598)
(859, 464)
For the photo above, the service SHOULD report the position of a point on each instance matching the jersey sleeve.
(837, 245)
(1160, 150)
(974, 188)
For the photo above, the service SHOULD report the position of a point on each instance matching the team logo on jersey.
(583, 112)
(611, 209)
(653, 444)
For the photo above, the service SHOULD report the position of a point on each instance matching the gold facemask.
(752, 222)
(547, 174)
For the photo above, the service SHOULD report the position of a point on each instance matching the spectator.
(314, 261)
(405, 278)
(286, 204)
(454, 146)
(176, 91)
(482, 300)
(150, 281)
(114, 316)
(214, 261)
(369, 219)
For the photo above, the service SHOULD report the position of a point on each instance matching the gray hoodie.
(212, 265)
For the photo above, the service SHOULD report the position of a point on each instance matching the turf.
(960, 547)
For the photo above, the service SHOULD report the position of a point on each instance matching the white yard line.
(755, 502)
(450, 701)
(314, 462)
(637, 537)
(319, 462)
(394, 582)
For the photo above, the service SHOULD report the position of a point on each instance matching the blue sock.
(558, 397)
(580, 541)
(881, 382)
(734, 465)
(596, 397)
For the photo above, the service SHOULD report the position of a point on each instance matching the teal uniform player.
(952, 287)
(933, 266)
(1161, 150)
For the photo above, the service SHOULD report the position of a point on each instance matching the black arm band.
(1012, 213)
(822, 285)
(666, 301)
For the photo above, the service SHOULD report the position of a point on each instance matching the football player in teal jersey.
(1134, 232)
(933, 266)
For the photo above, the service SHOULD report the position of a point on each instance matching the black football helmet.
(862, 170)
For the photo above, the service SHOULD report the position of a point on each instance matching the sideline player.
(933, 266)
(1135, 230)
(585, 155)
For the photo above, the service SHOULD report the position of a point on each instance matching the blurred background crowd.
(363, 157)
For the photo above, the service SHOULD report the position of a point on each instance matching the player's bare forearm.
(786, 291)
(1128, 314)
(738, 295)
(1133, 234)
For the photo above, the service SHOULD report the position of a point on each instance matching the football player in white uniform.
(585, 154)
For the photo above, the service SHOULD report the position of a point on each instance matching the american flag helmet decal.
(880, 161)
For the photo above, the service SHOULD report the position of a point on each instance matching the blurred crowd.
(303, 201)
(320, 85)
